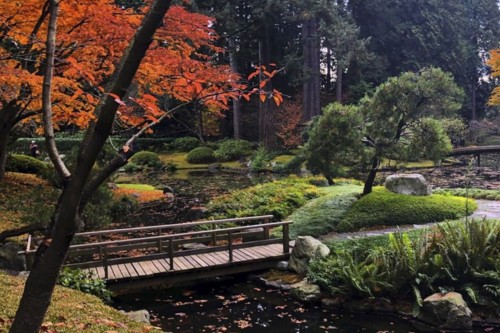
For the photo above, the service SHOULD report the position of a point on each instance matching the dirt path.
(486, 209)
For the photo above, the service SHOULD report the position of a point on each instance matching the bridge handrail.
(104, 248)
(171, 236)
(173, 226)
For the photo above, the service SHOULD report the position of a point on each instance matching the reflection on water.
(244, 307)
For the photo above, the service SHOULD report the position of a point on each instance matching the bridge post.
(214, 235)
(104, 259)
(171, 253)
(266, 229)
(230, 236)
(286, 238)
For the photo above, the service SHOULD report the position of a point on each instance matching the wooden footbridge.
(134, 258)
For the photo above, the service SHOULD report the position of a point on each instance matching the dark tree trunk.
(338, 86)
(311, 70)
(236, 103)
(7, 121)
(371, 176)
(50, 256)
(267, 130)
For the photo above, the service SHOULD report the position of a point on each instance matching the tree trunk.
(311, 70)
(236, 102)
(8, 115)
(267, 130)
(473, 101)
(338, 86)
(371, 176)
(50, 256)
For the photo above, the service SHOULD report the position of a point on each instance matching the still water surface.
(240, 306)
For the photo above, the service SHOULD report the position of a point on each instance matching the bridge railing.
(170, 241)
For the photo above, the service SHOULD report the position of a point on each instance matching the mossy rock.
(384, 208)
(146, 159)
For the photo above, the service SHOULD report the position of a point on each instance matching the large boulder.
(410, 184)
(305, 249)
(305, 292)
(446, 311)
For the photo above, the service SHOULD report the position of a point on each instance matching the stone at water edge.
(305, 292)
(305, 249)
(139, 316)
(446, 311)
(409, 184)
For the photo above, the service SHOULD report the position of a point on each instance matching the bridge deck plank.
(192, 263)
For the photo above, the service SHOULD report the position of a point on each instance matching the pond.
(241, 306)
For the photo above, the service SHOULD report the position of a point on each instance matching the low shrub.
(475, 193)
(382, 207)
(147, 159)
(279, 198)
(27, 164)
(260, 160)
(292, 166)
(230, 150)
(185, 144)
(201, 155)
(84, 281)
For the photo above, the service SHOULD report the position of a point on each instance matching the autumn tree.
(494, 62)
(51, 253)
(92, 36)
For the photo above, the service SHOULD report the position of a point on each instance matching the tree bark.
(338, 86)
(50, 256)
(371, 176)
(236, 102)
(267, 129)
(311, 69)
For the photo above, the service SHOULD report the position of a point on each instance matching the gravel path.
(486, 209)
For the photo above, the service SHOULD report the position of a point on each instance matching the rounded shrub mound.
(230, 150)
(146, 159)
(382, 207)
(26, 164)
(185, 144)
(201, 155)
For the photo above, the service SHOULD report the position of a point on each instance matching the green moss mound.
(322, 215)
(147, 159)
(382, 207)
(475, 193)
(27, 164)
(201, 155)
(279, 198)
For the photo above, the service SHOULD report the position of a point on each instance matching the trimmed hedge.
(382, 207)
(65, 144)
(201, 155)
